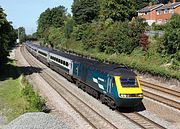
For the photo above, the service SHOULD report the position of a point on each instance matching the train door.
(76, 67)
(48, 57)
(109, 85)
(84, 72)
(71, 68)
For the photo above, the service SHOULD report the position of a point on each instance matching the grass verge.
(16, 94)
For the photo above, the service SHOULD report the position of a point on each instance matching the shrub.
(171, 39)
(144, 41)
(157, 26)
(35, 101)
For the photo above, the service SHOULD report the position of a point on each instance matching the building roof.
(149, 8)
(170, 6)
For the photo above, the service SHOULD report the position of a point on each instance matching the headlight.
(131, 95)
(123, 95)
(140, 95)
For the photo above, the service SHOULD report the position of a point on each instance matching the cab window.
(127, 82)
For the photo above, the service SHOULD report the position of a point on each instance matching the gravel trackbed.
(38, 120)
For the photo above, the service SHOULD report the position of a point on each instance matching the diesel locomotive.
(114, 85)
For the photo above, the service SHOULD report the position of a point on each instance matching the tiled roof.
(170, 6)
(149, 8)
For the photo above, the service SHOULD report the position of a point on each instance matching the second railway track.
(142, 121)
(160, 88)
(175, 103)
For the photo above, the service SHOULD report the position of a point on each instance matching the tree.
(54, 17)
(118, 10)
(44, 22)
(171, 39)
(7, 36)
(22, 34)
(58, 16)
(85, 10)
(143, 3)
(144, 41)
(68, 27)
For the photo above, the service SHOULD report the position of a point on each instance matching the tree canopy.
(54, 17)
(118, 10)
(7, 35)
(22, 34)
(143, 3)
(171, 39)
(85, 10)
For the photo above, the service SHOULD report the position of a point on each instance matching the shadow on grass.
(8, 70)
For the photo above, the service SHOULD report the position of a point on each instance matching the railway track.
(95, 119)
(160, 88)
(158, 97)
(142, 121)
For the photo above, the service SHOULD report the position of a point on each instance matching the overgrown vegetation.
(35, 102)
(114, 33)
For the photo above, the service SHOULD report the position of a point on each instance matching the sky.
(25, 13)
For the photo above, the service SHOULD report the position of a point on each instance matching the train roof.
(112, 69)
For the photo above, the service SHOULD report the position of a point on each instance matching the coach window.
(64, 63)
(67, 64)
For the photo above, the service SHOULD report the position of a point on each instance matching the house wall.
(153, 17)
(177, 10)
(163, 16)
(150, 16)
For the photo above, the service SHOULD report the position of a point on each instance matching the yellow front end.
(129, 91)
(129, 95)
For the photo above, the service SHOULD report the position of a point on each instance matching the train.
(114, 85)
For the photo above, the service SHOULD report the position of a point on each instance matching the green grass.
(13, 101)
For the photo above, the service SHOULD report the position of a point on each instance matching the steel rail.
(160, 88)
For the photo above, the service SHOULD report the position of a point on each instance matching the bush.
(56, 36)
(157, 27)
(120, 37)
(171, 39)
(35, 101)
(144, 41)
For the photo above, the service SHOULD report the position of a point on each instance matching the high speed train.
(113, 84)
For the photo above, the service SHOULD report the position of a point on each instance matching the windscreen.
(129, 82)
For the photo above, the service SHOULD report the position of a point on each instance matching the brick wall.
(177, 10)
(163, 17)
